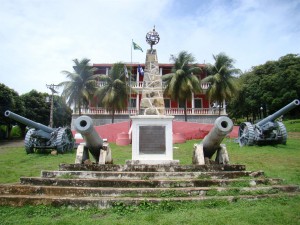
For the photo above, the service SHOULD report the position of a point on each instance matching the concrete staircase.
(106, 185)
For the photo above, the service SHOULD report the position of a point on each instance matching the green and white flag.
(136, 46)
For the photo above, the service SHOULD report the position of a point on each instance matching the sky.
(40, 38)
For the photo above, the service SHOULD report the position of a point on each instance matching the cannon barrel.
(279, 113)
(211, 142)
(27, 122)
(84, 125)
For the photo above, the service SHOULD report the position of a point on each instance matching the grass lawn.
(282, 161)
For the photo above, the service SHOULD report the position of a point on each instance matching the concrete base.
(156, 145)
(153, 162)
(198, 156)
(82, 154)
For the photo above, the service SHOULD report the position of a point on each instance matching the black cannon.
(267, 130)
(43, 137)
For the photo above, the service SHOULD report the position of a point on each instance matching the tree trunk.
(113, 116)
(185, 113)
(219, 105)
(8, 131)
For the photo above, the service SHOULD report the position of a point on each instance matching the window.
(181, 104)
(167, 103)
(133, 103)
(198, 103)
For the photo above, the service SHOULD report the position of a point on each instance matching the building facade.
(199, 109)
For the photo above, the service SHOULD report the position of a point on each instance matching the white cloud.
(40, 38)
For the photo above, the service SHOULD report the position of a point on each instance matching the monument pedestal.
(152, 140)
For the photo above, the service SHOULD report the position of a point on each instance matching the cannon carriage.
(41, 137)
(267, 130)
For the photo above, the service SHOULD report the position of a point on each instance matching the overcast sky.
(40, 38)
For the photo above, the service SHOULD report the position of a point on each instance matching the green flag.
(136, 46)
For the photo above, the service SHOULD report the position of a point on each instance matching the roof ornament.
(152, 38)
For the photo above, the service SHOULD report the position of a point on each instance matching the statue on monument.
(152, 38)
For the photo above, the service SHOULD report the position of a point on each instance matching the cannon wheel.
(64, 140)
(28, 141)
(246, 134)
(281, 131)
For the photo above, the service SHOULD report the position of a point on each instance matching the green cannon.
(266, 131)
(41, 137)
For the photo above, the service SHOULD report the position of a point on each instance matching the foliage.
(267, 88)
(220, 76)
(10, 100)
(81, 85)
(113, 95)
(62, 113)
(182, 83)
(36, 107)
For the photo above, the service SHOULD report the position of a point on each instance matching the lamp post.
(52, 88)
(261, 109)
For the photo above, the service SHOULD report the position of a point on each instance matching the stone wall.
(106, 119)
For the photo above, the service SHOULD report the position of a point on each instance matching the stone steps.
(105, 202)
(106, 185)
(149, 175)
(69, 191)
(167, 183)
(151, 168)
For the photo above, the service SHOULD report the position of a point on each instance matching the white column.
(193, 103)
(137, 77)
(224, 107)
(138, 102)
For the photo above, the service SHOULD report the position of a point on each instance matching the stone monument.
(152, 141)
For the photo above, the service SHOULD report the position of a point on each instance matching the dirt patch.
(295, 135)
(11, 143)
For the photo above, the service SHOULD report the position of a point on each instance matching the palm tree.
(182, 83)
(114, 94)
(221, 79)
(82, 84)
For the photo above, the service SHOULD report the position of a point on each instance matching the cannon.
(266, 131)
(41, 137)
(211, 143)
(94, 144)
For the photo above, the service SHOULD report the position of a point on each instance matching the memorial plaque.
(152, 140)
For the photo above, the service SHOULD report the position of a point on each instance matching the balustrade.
(137, 85)
(169, 111)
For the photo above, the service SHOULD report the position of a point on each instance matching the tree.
(267, 88)
(182, 82)
(82, 84)
(62, 113)
(10, 100)
(36, 108)
(220, 76)
(114, 94)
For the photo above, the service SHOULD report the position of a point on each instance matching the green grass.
(281, 161)
(292, 125)
(283, 210)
